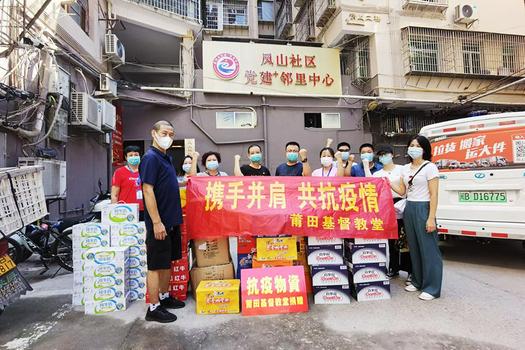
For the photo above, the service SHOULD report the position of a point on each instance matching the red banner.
(117, 139)
(276, 290)
(342, 207)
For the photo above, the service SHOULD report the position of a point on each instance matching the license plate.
(483, 197)
(6, 264)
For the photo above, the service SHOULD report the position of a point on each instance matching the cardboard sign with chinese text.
(343, 207)
(276, 248)
(275, 290)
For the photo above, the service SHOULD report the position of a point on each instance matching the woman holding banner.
(420, 184)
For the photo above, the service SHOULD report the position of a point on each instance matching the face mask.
(212, 165)
(326, 161)
(385, 159)
(367, 156)
(164, 141)
(256, 158)
(133, 160)
(292, 156)
(345, 155)
(186, 167)
(415, 152)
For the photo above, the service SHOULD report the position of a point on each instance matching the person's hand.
(351, 158)
(329, 142)
(237, 157)
(431, 225)
(304, 154)
(195, 155)
(366, 163)
(338, 156)
(159, 231)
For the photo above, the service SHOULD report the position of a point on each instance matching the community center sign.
(270, 69)
(342, 207)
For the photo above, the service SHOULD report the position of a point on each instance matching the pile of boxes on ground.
(109, 260)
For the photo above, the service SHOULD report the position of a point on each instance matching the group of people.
(152, 182)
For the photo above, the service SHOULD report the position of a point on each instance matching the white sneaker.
(411, 288)
(426, 296)
(409, 280)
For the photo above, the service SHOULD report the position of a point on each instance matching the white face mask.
(327, 161)
(164, 141)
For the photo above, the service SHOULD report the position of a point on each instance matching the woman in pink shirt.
(329, 166)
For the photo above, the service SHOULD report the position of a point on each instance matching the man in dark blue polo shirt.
(296, 162)
(367, 159)
(163, 216)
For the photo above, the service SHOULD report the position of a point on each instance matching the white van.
(482, 190)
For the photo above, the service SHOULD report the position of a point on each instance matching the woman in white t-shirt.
(328, 165)
(393, 172)
(420, 184)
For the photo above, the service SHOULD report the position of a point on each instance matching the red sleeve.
(117, 177)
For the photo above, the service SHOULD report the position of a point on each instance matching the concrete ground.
(482, 307)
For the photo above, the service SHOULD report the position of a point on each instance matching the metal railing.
(283, 19)
(324, 10)
(235, 13)
(426, 4)
(305, 23)
(189, 9)
(355, 60)
(440, 51)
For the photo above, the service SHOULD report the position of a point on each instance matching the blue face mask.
(186, 167)
(367, 156)
(345, 155)
(385, 159)
(292, 156)
(133, 160)
(256, 158)
(415, 152)
(212, 165)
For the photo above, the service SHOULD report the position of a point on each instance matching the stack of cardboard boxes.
(275, 252)
(246, 250)
(302, 260)
(367, 261)
(329, 272)
(180, 269)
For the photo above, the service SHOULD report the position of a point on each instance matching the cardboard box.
(120, 213)
(369, 272)
(265, 264)
(370, 241)
(332, 294)
(324, 241)
(372, 291)
(246, 245)
(211, 252)
(244, 261)
(365, 253)
(325, 254)
(218, 297)
(276, 248)
(101, 307)
(330, 275)
(129, 229)
(218, 272)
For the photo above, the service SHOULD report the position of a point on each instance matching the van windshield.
(499, 148)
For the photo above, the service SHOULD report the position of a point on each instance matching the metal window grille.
(406, 123)
(190, 9)
(235, 13)
(214, 15)
(305, 26)
(283, 19)
(265, 10)
(356, 60)
(429, 50)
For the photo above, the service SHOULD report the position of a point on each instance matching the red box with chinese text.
(246, 245)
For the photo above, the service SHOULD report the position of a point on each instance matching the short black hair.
(131, 148)
(254, 145)
(292, 143)
(425, 144)
(384, 149)
(341, 144)
(329, 149)
(210, 153)
(181, 171)
(366, 145)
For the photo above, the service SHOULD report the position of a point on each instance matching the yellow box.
(276, 248)
(256, 264)
(218, 297)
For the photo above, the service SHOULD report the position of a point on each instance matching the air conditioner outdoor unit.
(53, 176)
(107, 86)
(109, 113)
(85, 111)
(465, 13)
(114, 49)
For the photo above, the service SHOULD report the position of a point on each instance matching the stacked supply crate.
(105, 277)
(86, 236)
(367, 261)
(133, 236)
(275, 252)
(246, 250)
(329, 272)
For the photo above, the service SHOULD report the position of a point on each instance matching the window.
(235, 13)
(212, 16)
(265, 10)
(471, 58)
(509, 59)
(322, 120)
(78, 11)
(423, 54)
(235, 120)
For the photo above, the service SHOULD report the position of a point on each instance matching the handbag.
(399, 207)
